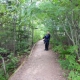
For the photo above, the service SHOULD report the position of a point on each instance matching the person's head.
(48, 32)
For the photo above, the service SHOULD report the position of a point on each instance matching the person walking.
(47, 39)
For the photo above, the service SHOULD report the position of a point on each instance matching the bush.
(58, 48)
(3, 52)
(3, 76)
(71, 64)
(74, 75)
(12, 63)
(65, 50)
(64, 63)
(72, 49)
(61, 50)
(68, 60)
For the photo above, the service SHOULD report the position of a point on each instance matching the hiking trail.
(41, 65)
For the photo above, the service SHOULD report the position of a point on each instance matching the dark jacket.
(47, 38)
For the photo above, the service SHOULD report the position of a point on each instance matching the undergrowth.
(68, 60)
(9, 62)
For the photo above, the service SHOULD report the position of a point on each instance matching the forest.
(24, 22)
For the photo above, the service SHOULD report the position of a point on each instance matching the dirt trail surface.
(41, 65)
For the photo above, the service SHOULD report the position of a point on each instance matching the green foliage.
(67, 53)
(68, 60)
(71, 64)
(37, 35)
(74, 75)
(58, 48)
(64, 50)
(12, 64)
(72, 49)
(18, 16)
(61, 50)
(26, 50)
(2, 77)
(2, 50)
(64, 63)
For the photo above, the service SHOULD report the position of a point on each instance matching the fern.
(74, 75)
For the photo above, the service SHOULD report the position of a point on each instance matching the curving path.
(41, 65)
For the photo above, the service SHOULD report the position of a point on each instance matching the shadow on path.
(41, 65)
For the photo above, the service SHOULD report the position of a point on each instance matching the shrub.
(2, 50)
(72, 62)
(2, 77)
(58, 48)
(12, 62)
(69, 62)
(64, 63)
(74, 75)
(72, 49)
(61, 50)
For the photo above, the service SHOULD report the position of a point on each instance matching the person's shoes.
(46, 49)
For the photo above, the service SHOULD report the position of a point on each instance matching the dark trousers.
(46, 45)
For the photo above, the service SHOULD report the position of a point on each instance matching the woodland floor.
(41, 65)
